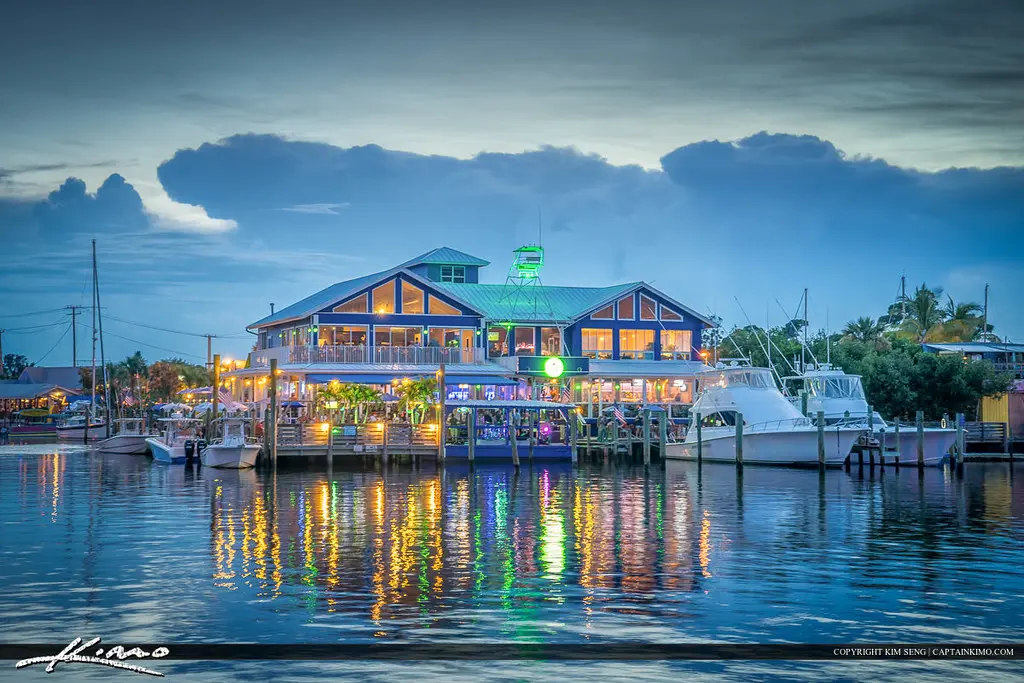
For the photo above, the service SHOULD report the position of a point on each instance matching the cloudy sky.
(226, 155)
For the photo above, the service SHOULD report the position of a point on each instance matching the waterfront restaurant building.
(634, 344)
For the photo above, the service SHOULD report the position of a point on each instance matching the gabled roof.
(446, 256)
(23, 390)
(313, 303)
(976, 347)
(538, 303)
(67, 377)
(542, 303)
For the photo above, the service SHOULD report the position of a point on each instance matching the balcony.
(1016, 368)
(384, 355)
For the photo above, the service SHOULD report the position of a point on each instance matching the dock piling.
(700, 440)
(960, 439)
(821, 438)
(270, 426)
(573, 435)
(647, 436)
(471, 443)
(739, 440)
(662, 434)
(920, 438)
(513, 436)
(215, 399)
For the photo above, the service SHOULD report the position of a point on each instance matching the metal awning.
(522, 405)
(383, 378)
(479, 379)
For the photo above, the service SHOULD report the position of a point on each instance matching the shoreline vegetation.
(898, 375)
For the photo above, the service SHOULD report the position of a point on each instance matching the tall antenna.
(524, 297)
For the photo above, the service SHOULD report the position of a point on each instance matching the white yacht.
(169, 447)
(233, 450)
(74, 428)
(774, 431)
(130, 438)
(841, 398)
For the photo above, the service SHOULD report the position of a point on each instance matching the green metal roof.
(446, 256)
(540, 303)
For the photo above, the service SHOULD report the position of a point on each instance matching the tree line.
(898, 375)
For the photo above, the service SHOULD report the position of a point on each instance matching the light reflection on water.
(136, 552)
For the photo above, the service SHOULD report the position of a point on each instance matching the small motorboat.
(178, 431)
(74, 429)
(130, 438)
(233, 449)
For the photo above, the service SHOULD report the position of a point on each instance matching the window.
(263, 339)
(675, 344)
(450, 336)
(453, 273)
(550, 341)
(384, 298)
(360, 304)
(669, 314)
(497, 342)
(606, 313)
(648, 308)
(342, 336)
(597, 343)
(525, 344)
(723, 418)
(638, 344)
(626, 308)
(397, 336)
(631, 391)
(438, 307)
(412, 298)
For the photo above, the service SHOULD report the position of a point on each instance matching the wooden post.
(739, 439)
(629, 439)
(700, 440)
(615, 436)
(898, 453)
(513, 438)
(215, 394)
(471, 443)
(330, 445)
(532, 422)
(959, 438)
(442, 416)
(920, 438)
(803, 403)
(384, 443)
(821, 438)
(871, 434)
(662, 433)
(647, 436)
(573, 419)
(270, 429)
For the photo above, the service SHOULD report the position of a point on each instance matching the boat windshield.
(835, 387)
(755, 378)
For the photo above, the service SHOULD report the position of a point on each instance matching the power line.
(59, 340)
(154, 346)
(32, 328)
(29, 315)
(162, 329)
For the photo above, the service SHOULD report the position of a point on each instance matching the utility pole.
(209, 350)
(74, 335)
(984, 320)
(903, 298)
(1, 352)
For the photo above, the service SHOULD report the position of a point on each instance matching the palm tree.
(923, 312)
(963, 321)
(415, 395)
(135, 364)
(863, 329)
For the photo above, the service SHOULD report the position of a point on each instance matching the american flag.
(619, 415)
(129, 400)
(566, 394)
(226, 398)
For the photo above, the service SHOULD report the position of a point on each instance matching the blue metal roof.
(446, 256)
(313, 303)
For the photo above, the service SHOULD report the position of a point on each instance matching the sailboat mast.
(803, 348)
(92, 399)
(103, 358)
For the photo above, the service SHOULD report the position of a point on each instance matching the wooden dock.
(378, 438)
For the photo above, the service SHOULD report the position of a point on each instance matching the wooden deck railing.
(395, 436)
(985, 432)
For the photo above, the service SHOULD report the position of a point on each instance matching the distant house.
(39, 387)
(1004, 356)
(66, 377)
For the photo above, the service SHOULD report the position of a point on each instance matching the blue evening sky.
(226, 155)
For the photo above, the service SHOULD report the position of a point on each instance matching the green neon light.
(554, 367)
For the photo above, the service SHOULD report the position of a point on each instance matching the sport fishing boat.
(74, 428)
(774, 431)
(169, 447)
(233, 450)
(841, 398)
(130, 438)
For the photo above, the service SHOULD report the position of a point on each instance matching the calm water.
(135, 552)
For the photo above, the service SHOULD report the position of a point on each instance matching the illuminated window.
(606, 313)
(637, 344)
(438, 307)
(525, 345)
(453, 273)
(550, 341)
(451, 336)
(384, 298)
(331, 335)
(669, 314)
(648, 308)
(497, 342)
(397, 336)
(360, 304)
(626, 308)
(675, 344)
(596, 342)
(412, 298)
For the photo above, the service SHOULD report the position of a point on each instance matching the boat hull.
(937, 443)
(230, 457)
(96, 432)
(165, 453)
(124, 444)
(794, 447)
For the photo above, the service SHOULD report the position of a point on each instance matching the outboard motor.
(200, 447)
(190, 450)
